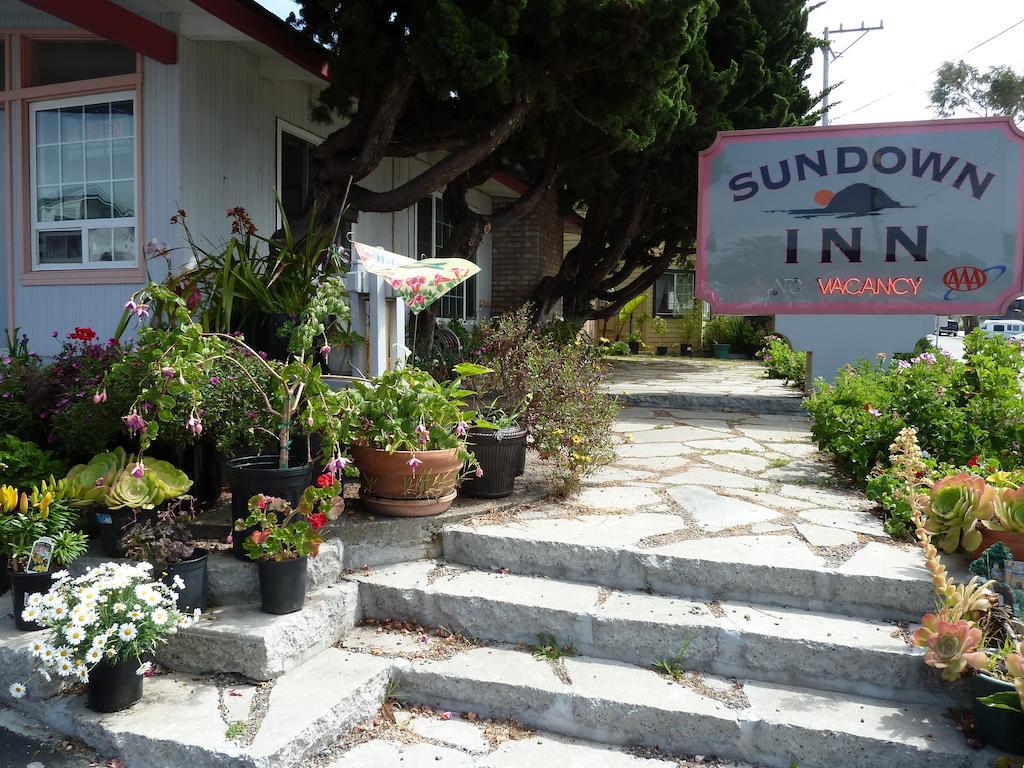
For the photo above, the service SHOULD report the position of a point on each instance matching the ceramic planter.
(1000, 728)
(1015, 542)
(282, 585)
(502, 457)
(194, 573)
(389, 486)
(23, 585)
(113, 685)
(251, 475)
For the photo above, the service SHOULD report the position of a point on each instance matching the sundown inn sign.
(901, 218)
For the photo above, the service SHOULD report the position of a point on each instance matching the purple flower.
(902, 364)
(928, 358)
(154, 247)
(167, 372)
(461, 428)
(139, 470)
(194, 425)
(424, 434)
(414, 462)
(134, 422)
(215, 380)
(251, 415)
(479, 472)
(55, 334)
(325, 351)
(874, 412)
(337, 464)
(100, 397)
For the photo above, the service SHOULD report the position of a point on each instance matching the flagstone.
(618, 498)
(704, 476)
(775, 433)
(771, 500)
(656, 463)
(822, 536)
(617, 475)
(827, 497)
(806, 471)
(726, 444)
(795, 450)
(635, 426)
(455, 733)
(717, 513)
(854, 520)
(675, 435)
(635, 450)
(758, 528)
(741, 462)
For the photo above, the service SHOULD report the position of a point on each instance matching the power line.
(932, 72)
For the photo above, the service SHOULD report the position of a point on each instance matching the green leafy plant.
(119, 480)
(782, 362)
(617, 349)
(626, 318)
(283, 533)
(658, 326)
(24, 464)
(673, 667)
(548, 648)
(956, 506)
(169, 540)
(27, 516)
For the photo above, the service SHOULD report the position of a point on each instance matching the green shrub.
(961, 409)
(783, 362)
(24, 464)
(617, 348)
(743, 335)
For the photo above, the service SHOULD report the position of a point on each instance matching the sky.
(886, 76)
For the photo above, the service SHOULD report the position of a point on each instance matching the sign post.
(854, 222)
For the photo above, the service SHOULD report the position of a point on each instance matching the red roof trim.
(119, 25)
(255, 21)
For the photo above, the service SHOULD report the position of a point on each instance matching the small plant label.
(42, 552)
(102, 518)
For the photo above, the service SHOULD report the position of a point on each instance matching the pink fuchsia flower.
(195, 426)
(461, 428)
(325, 351)
(134, 422)
(414, 462)
(139, 470)
(141, 311)
(424, 434)
(337, 464)
(99, 397)
(479, 472)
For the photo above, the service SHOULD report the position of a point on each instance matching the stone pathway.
(698, 383)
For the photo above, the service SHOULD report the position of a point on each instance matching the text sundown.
(858, 286)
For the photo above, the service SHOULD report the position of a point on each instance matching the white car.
(1008, 329)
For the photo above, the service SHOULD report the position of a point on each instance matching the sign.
(420, 282)
(899, 218)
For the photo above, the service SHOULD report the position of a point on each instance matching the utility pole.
(826, 52)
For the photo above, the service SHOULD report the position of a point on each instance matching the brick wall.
(523, 252)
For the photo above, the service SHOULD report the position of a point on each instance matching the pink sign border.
(1016, 282)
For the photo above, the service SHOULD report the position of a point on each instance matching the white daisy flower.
(46, 654)
(120, 607)
(88, 595)
(99, 641)
(111, 653)
(37, 647)
(60, 575)
(142, 590)
(179, 583)
(136, 614)
(75, 635)
(127, 631)
(17, 690)
(58, 611)
(31, 613)
(159, 616)
(152, 599)
(63, 652)
(94, 655)
(83, 673)
(65, 668)
(35, 599)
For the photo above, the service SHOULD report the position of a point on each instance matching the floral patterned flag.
(419, 282)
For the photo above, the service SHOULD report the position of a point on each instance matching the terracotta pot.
(1015, 541)
(386, 478)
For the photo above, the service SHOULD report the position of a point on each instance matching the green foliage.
(568, 420)
(617, 349)
(280, 533)
(890, 492)
(992, 558)
(744, 336)
(169, 540)
(24, 464)
(960, 408)
(673, 667)
(548, 649)
(235, 729)
(122, 481)
(961, 87)
(658, 326)
(19, 414)
(31, 515)
(781, 361)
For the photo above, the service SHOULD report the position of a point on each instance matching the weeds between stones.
(673, 667)
(548, 649)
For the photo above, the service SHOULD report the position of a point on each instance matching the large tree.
(961, 87)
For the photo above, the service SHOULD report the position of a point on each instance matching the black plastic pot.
(686, 350)
(634, 347)
(194, 573)
(282, 585)
(23, 585)
(661, 351)
(113, 685)
(502, 457)
(200, 461)
(1000, 728)
(114, 523)
(251, 475)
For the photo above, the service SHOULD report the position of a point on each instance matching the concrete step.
(880, 581)
(184, 721)
(770, 725)
(781, 645)
(241, 639)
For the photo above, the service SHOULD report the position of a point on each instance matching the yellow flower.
(24, 503)
(576, 439)
(8, 498)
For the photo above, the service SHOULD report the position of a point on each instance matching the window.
(433, 228)
(294, 178)
(65, 61)
(673, 294)
(998, 328)
(83, 179)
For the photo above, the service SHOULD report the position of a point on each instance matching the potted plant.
(104, 625)
(121, 489)
(282, 539)
(498, 443)
(37, 531)
(636, 335)
(635, 341)
(293, 395)
(168, 544)
(659, 328)
(407, 435)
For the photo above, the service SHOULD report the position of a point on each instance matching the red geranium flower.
(325, 480)
(974, 460)
(82, 334)
(318, 520)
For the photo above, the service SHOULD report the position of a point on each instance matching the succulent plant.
(952, 646)
(1008, 510)
(119, 480)
(957, 504)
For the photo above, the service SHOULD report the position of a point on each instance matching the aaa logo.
(966, 279)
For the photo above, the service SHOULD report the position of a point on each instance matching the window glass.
(433, 229)
(673, 294)
(64, 61)
(296, 182)
(998, 328)
(84, 183)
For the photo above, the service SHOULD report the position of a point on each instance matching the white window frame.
(464, 299)
(83, 225)
(676, 273)
(283, 127)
